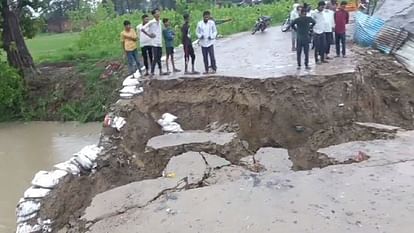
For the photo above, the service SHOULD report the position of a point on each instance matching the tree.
(18, 54)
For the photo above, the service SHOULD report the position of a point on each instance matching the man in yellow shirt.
(129, 47)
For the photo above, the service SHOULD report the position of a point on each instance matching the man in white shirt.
(206, 34)
(330, 27)
(319, 38)
(294, 14)
(145, 42)
(153, 29)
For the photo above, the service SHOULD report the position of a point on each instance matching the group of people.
(152, 33)
(323, 27)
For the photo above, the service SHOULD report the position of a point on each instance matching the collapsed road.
(328, 150)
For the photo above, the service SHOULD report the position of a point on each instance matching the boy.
(319, 38)
(302, 26)
(129, 47)
(207, 33)
(341, 20)
(169, 36)
(153, 29)
(145, 43)
(187, 45)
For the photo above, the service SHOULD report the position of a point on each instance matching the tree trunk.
(18, 55)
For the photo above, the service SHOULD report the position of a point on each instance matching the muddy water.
(26, 148)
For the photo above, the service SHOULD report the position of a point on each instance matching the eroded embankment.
(300, 114)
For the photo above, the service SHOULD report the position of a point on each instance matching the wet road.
(373, 196)
(264, 55)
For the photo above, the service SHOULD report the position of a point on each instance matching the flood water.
(26, 148)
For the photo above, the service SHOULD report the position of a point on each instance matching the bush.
(11, 93)
(105, 35)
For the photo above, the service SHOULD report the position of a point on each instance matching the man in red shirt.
(341, 20)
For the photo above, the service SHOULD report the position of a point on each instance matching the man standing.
(330, 27)
(341, 19)
(302, 26)
(187, 45)
(169, 36)
(153, 29)
(145, 43)
(319, 38)
(129, 47)
(207, 33)
(294, 14)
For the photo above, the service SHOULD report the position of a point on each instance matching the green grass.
(46, 46)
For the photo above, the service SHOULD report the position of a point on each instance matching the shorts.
(169, 50)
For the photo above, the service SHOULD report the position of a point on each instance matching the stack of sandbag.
(28, 219)
(131, 86)
(168, 124)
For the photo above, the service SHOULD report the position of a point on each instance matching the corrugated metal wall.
(406, 53)
(372, 31)
(366, 29)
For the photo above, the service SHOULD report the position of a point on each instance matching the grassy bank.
(45, 47)
(76, 91)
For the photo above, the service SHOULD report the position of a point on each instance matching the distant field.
(47, 45)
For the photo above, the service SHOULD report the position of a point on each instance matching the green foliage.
(11, 92)
(105, 35)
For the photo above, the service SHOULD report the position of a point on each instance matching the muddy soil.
(299, 114)
(61, 84)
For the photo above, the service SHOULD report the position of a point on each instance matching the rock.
(189, 137)
(274, 159)
(215, 161)
(136, 194)
(190, 165)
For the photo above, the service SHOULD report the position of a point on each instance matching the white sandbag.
(84, 161)
(173, 127)
(33, 192)
(118, 123)
(162, 122)
(129, 89)
(48, 180)
(137, 74)
(25, 218)
(46, 224)
(26, 228)
(27, 207)
(69, 167)
(126, 95)
(169, 117)
(130, 82)
(91, 152)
